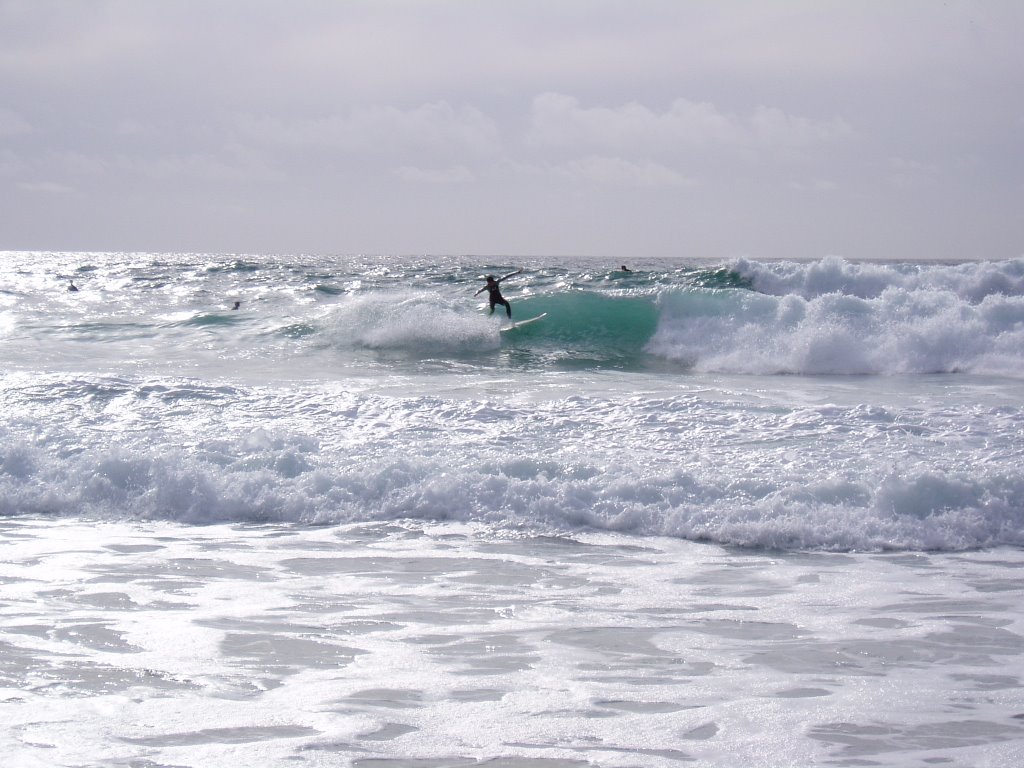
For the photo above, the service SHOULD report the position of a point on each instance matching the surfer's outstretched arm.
(510, 274)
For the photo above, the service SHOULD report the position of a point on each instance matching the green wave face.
(586, 329)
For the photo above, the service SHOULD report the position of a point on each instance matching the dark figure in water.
(237, 305)
(494, 292)
(624, 268)
(72, 286)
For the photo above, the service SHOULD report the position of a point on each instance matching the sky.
(617, 129)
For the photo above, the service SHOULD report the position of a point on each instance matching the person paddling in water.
(493, 289)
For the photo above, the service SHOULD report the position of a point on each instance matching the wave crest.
(898, 331)
(263, 477)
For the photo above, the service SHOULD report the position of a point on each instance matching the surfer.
(71, 286)
(237, 305)
(624, 268)
(493, 289)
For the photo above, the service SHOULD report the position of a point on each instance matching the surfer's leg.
(492, 307)
(508, 309)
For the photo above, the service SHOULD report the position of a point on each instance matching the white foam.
(719, 471)
(239, 421)
(443, 644)
(970, 281)
(895, 331)
(411, 321)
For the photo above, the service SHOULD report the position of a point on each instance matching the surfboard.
(521, 323)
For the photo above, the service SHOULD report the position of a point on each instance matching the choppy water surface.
(768, 513)
(405, 645)
(825, 405)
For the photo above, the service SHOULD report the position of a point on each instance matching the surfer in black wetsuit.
(493, 289)
(72, 287)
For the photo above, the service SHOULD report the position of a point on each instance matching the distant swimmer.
(72, 286)
(494, 292)
(237, 305)
(624, 268)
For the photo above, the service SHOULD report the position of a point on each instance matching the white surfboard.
(521, 323)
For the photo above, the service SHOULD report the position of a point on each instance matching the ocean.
(764, 513)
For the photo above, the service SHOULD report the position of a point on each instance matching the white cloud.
(65, 163)
(227, 166)
(771, 126)
(814, 185)
(558, 120)
(438, 127)
(46, 187)
(458, 174)
(903, 165)
(10, 163)
(577, 106)
(614, 171)
(903, 173)
(13, 124)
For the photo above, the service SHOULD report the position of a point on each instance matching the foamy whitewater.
(745, 513)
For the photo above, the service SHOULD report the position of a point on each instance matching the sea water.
(759, 513)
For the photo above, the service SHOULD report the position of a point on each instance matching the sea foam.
(516, 469)
(832, 318)
(410, 321)
(646, 403)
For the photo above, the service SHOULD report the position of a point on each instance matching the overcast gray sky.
(615, 128)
